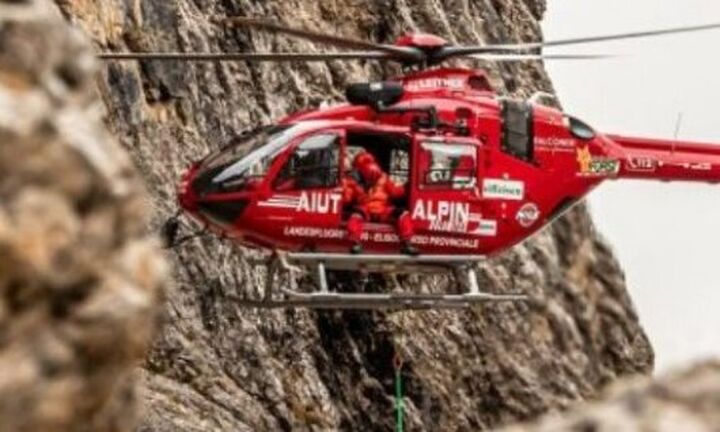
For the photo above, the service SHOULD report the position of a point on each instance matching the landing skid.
(291, 264)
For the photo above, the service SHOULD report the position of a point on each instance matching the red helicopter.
(477, 172)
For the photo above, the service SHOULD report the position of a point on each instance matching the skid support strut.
(461, 270)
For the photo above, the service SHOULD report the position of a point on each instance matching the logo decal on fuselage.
(453, 217)
(697, 166)
(485, 227)
(307, 202)
(319, 202)
(435, 83)
(594, 166)
(503, 189)
(642, 164)
(555, 144)
(528, 215)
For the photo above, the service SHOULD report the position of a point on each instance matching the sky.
(666, 236)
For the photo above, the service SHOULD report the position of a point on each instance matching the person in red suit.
(370, 191)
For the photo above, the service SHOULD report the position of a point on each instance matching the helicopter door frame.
(303, 209)
(446, 200)
(386, 162)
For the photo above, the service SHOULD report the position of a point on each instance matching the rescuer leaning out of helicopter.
(369, 190)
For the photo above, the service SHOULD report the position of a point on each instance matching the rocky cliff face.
(687, 400)
(216, 366)
(79, 275)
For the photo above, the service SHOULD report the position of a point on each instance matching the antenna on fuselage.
(678, 124)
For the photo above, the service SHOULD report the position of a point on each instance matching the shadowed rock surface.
(79, 275)
(687, 400)
(217, 366)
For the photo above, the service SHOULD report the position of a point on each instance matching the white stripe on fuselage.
(277, 204)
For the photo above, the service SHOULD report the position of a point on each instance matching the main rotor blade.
(619, 36)
(452, 51)
(402, 53)
(255, 57)
(530, 57)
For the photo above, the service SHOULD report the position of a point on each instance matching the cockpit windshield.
(247, 160)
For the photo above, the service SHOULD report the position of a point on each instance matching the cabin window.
(399, 165)
(448, 165)
(313, 164)
(517, 129)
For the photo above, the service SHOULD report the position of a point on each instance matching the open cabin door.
(446, 199)
(392, 151)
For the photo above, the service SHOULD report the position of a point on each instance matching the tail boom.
(668, 160)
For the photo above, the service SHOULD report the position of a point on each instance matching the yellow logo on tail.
(584, 158)
(596, 166)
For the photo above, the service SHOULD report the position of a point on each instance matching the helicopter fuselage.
(482, 173)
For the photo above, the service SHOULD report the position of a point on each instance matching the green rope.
(398, 396)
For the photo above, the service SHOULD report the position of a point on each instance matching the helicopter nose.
(197, 195)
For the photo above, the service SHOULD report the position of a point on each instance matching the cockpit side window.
(313, 164)
(245, 145)
(244, 162)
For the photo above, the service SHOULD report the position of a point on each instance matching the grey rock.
(686, 400)
(80, 276)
